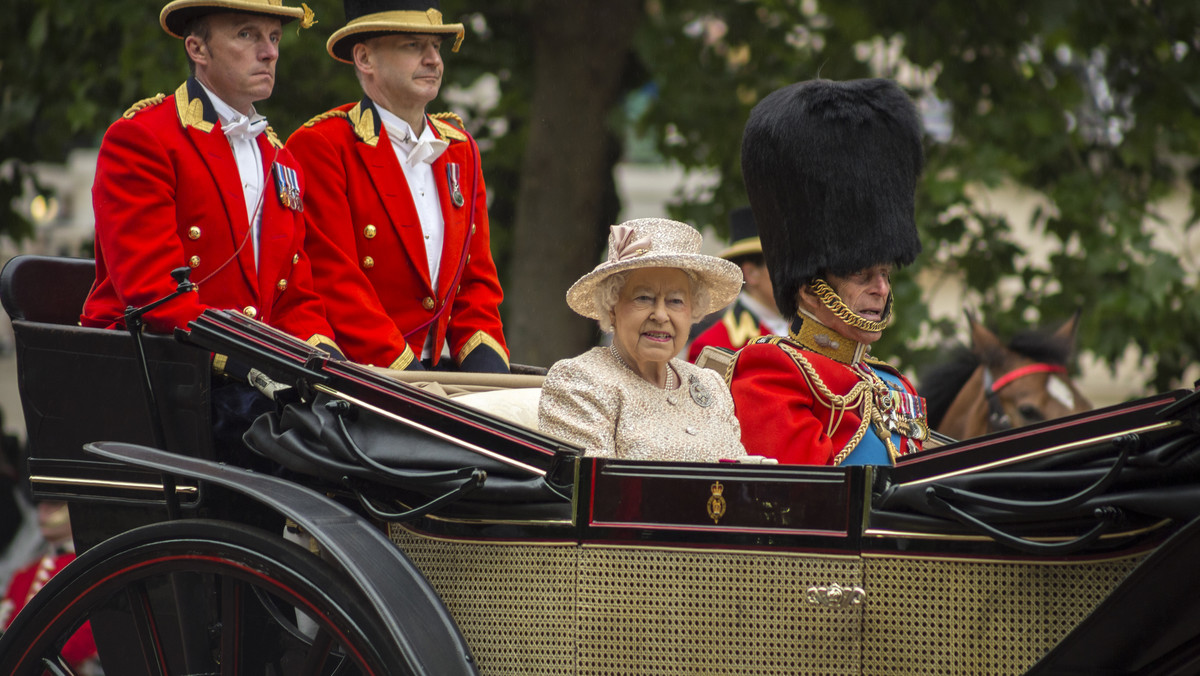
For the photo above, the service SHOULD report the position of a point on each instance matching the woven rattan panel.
(659, 611)
(515, 604)
(955, 617)
(528, 609)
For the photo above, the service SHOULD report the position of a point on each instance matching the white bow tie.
(244, 129)
(426, 151)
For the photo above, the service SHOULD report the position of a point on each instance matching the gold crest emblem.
(716, 502)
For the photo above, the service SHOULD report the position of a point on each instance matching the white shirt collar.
(228, 115)
(400, 130)
(427, 148)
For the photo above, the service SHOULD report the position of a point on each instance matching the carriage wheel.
(197, 596)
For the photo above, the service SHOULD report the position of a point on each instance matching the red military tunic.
(27, 582)
(737, 327)
(167, 194)
(368, 253)
(786, 398)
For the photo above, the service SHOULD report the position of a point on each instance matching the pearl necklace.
(668, 385)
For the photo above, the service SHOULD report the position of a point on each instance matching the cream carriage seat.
(513, 398)
(510, 397)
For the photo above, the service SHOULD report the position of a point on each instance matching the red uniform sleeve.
(159, 205)
(775, 407)
(134, 197)
(363, 329)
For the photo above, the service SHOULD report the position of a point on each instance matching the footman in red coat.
(198, 179)
(396, 203)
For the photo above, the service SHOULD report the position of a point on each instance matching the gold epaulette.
(878, 362)
(447, 130)
(273, 138)
(325, 116)
(143, 104)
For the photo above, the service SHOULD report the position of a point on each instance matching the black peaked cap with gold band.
(175, 15)
(367, 19)
(743, 236)
(831, 170)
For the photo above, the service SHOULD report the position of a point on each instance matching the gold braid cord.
(143, 104)
(449, 116)
(861, 397)
(325, 116)
(834, 303)
(446, 129)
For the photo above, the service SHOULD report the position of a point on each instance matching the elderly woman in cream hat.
(634, 399)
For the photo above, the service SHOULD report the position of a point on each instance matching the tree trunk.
(562, 216)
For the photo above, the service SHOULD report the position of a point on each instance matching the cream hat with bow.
(657, 243)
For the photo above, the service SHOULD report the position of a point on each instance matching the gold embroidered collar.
(814, 336)
(193, 106)
(365, 122)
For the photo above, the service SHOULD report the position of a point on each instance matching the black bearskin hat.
(831, 169)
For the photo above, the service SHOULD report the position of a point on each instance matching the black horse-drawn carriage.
(385, 528)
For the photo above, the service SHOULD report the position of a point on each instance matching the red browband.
(1025, 371)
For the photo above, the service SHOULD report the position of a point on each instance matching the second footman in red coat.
(396, 204)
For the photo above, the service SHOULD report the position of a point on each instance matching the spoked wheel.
(201, 597)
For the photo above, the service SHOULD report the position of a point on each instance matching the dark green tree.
(1091, 104)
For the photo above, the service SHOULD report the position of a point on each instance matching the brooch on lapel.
(452, 178)
(699, 392)
(288, 185)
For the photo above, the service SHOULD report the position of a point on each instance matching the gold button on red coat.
(194, 261)
(427, 303)
(250, 311)
(369, 231)
(281, 285)
(295, 259)
(368, 262)
(193, 232)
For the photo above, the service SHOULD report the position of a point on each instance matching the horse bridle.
(998, 420)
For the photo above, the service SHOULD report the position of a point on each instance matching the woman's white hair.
(608, 292)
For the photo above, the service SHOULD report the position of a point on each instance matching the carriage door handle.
(835, 596)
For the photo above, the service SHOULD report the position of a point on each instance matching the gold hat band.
(401, 16)
(396, 21)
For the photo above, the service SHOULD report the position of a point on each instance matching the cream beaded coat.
(595, 401)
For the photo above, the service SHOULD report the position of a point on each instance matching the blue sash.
(870, 449)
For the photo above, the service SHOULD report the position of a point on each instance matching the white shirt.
(419, 175)
(241, 132)
(768, 316)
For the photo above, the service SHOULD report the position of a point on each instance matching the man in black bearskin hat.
(831, 170)
(396, 204)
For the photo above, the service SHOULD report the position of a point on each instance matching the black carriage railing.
(357, 428)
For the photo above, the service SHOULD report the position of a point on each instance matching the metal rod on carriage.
(184, 594)
(134, 324)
